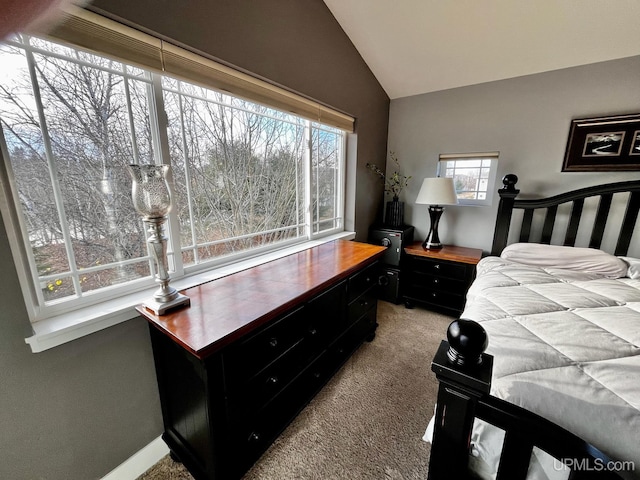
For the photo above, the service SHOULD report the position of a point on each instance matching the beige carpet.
(367, 422)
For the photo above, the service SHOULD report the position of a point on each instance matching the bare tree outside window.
(73, 120)
(241, 166)
(68, 164)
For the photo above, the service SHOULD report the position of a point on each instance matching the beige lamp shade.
(437, 191)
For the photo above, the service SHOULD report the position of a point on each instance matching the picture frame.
(604, 144)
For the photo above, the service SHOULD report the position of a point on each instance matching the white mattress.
(566, 345)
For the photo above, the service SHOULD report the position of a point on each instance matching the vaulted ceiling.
(420, 46)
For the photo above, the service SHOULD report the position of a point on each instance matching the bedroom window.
(474, 175)
(247, 178)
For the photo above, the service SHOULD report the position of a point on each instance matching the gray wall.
(76, 411)
(79, 410)
(526, 119)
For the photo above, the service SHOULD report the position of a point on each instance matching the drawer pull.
(317, 375)
(272, 380)
(437, 266)
(254, 437)
(434, 294)
(364, 303)
(368, 280)
(436, 280)
(273, 342)
(313, 331)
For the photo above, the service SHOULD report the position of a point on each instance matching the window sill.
(59, 330)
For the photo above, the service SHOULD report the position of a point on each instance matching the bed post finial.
(467, 342)
(464, 380)
(509, 181)
(508, 196)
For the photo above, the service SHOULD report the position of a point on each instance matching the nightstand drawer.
(438, 268)
(435, 282)
(441, 298)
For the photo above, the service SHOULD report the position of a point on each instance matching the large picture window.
(246, 177)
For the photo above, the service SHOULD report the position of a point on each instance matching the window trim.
(55, 331)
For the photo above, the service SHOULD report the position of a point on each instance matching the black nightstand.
(438, 279)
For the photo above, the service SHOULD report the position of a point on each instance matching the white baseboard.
(139, 462)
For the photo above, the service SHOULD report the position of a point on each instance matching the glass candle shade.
(150, 190)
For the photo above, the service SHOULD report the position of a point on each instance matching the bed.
(556, 395)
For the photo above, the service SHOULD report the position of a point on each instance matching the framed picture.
(603, 144)
(635, 143)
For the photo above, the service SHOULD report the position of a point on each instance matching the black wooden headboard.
(508, 203)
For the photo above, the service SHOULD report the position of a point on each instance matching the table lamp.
(436, 192)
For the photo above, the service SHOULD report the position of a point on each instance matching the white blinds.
(468, 156)
(95, 32)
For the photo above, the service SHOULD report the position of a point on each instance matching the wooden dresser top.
(225, 309)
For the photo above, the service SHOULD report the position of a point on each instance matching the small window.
(473, 174)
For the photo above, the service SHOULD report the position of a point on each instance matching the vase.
(394, 215)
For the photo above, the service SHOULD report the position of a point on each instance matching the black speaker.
(395, 239)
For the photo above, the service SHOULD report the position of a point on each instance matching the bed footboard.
(464, 372)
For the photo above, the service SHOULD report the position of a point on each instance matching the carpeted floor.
(368, 421)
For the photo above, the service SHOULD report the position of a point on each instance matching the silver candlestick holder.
(152, 200)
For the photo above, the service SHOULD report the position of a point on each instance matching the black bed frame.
(464, 370)
(508, 203)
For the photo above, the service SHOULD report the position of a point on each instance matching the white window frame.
(62, 322)
(460, 159)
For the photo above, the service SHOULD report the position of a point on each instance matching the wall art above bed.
(603, 144)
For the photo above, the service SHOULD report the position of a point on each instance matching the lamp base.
(431, 245)
(432, 242)
(160, 308)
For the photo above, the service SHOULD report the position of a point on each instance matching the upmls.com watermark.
(597, 465)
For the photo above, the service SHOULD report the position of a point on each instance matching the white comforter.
(567, 346)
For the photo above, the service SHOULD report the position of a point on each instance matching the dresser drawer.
(254, 431)
(261, 366)
(343, 347)
(248, 357)
(325, 314)
(362, 281)
(263, 387)
(438, 268)
(360, 305)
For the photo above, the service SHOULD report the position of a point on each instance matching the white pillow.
(568, 258)
(634, 267)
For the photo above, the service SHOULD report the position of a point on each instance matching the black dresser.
(253, 349)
